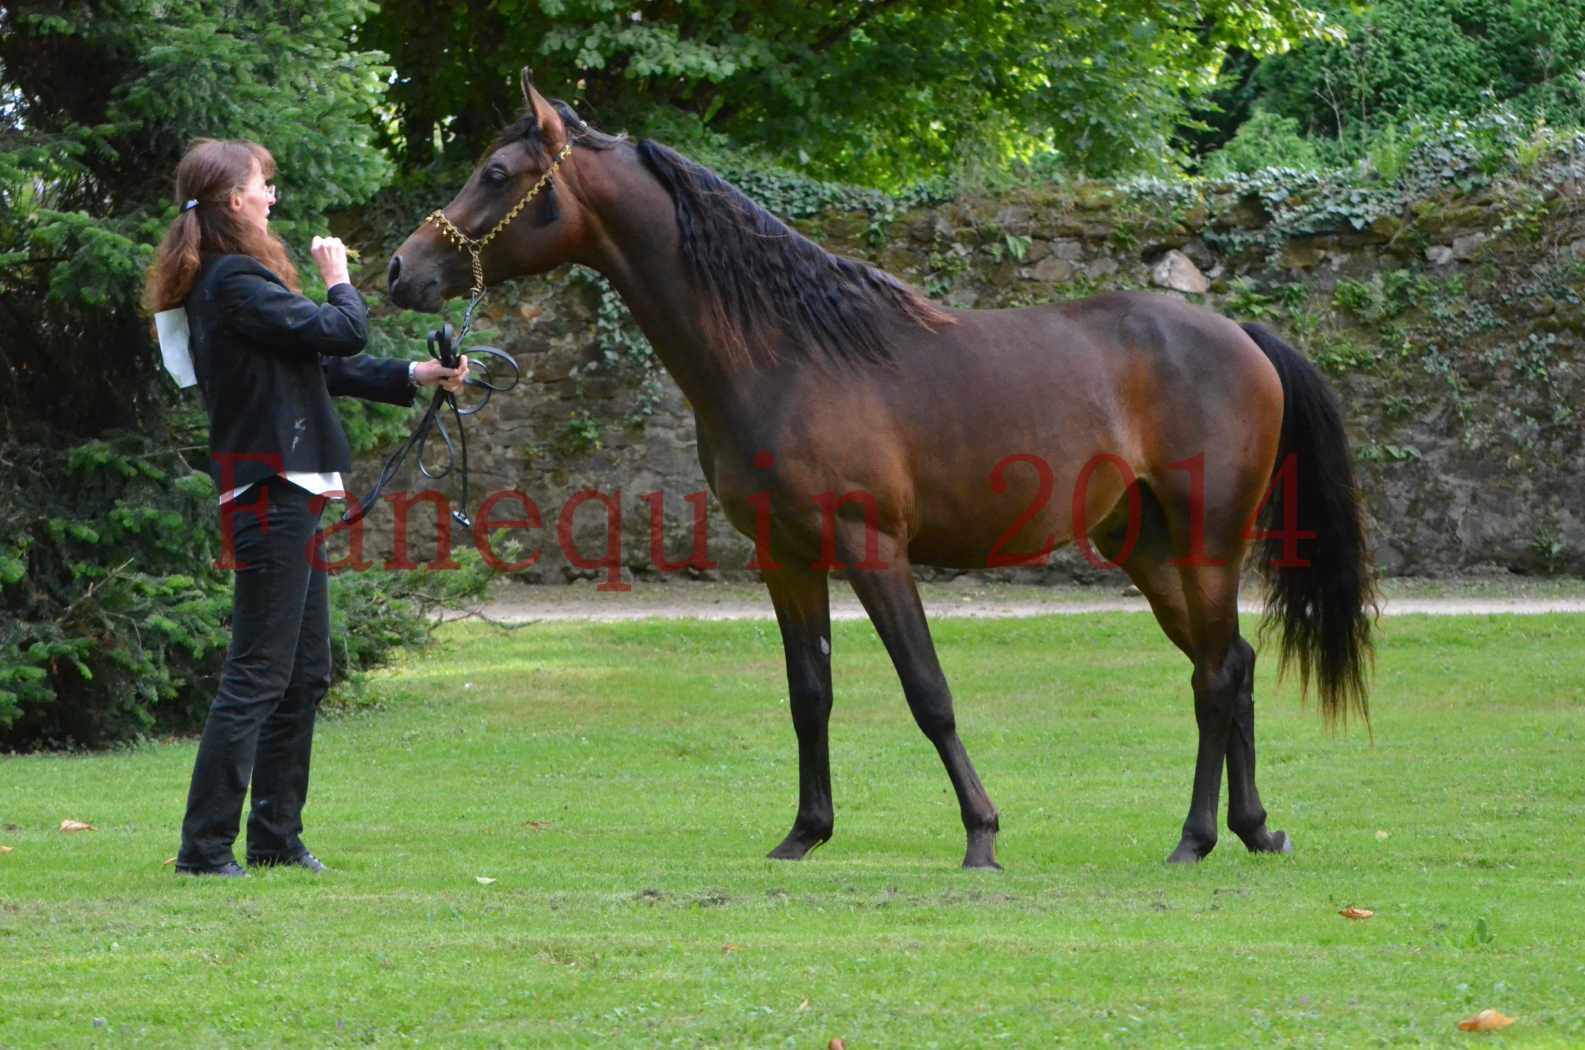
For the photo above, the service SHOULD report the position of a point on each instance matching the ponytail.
(176, 264)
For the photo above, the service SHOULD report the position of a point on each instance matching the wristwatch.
(412, 373)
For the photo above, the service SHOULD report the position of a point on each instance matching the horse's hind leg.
(1150, 564)
(1220, 658)
(1224, 704)
(892, 601)
(1197, 607)
(1224, 708)
(1246, 817)
(803, 611)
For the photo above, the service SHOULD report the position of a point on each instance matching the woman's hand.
(433, 373)
(330, 255)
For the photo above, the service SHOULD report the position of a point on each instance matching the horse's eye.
(494, 176)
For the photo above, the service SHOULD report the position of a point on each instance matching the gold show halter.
(473, 247)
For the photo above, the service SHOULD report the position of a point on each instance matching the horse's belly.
(1014, 512)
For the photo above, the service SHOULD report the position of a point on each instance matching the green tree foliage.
(100, 101)
(113, 616)
(1265, 140)
(883, 92)
(112, 619)
(1426, 59)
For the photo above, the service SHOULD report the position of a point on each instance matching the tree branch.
(38, 260)
(839, 32)
(66, 614)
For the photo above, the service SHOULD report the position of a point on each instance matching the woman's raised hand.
(330, 255)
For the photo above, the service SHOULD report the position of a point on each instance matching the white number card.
(172, 328)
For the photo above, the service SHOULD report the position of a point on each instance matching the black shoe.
(304, 859)
(229, 870)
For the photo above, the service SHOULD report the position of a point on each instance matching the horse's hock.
(1453, 336)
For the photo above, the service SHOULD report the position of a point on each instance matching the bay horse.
(844, 420)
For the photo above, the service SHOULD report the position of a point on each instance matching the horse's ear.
(552, 132)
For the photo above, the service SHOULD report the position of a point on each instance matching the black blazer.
(268, 361)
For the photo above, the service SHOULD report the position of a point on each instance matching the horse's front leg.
(892, 600)
(803, 610)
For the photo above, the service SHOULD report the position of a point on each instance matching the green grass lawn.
(621, 784)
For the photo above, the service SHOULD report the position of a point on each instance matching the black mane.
(770, 288)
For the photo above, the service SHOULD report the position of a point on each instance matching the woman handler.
(268, 360)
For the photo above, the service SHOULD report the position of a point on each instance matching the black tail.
(1319, 605)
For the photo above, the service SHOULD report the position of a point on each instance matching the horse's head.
(518, 214)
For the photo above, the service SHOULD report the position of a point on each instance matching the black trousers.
(277, 670)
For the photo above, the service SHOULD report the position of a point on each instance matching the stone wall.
(1450, 321)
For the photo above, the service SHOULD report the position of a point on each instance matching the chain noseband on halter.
(447, 349)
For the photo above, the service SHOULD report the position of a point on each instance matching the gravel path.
(705, 601)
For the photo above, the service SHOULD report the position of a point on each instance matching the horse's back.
(1110, 337)
(1010, 410)
(1116, 371)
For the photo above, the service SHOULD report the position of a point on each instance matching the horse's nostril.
(394, 271)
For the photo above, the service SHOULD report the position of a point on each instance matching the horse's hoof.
(795, 847)
(1190, 852)
(981, 852)
(1269, 842)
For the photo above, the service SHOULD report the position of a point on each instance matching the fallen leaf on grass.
(168, 862)
(1356, 913)
(7, 849)
(836, 1044)
(805, 1004)
(76, 825)
(728, 949)
(1486, 1021)
(538, 825)
(1381, 836)
(483, 880)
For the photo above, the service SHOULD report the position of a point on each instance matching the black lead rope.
(447, 350)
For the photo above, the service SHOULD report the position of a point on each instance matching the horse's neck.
(641, 258)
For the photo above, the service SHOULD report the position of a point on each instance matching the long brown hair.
(209, 173)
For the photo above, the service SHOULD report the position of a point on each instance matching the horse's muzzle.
(410, 293)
